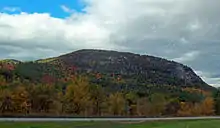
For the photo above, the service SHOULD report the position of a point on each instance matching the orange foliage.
(195, 90)
(205, 108)
(185, 109)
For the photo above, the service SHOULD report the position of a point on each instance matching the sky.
(186, 31)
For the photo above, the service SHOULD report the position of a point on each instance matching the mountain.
(109, 82)
(135, 68)
(114, 70)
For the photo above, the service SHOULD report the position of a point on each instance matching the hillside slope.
(140, 68)
(132, 70)
(109, 82)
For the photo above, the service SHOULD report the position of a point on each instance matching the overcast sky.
(187, 31)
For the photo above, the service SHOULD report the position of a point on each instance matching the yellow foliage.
(116, 104)
(185, 109)
(196, 90)
(207, 106)
(143, 107)
(78, 95)
(20, 98)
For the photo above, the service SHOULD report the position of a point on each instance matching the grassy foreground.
(156, 124)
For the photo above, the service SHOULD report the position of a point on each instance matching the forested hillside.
(104, 83)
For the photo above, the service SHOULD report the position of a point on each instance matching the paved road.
(102, 119)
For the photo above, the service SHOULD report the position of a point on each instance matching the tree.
(158, 103)
(5, 100)
(131, 103)
(143, 107)
(2, 81)
(97, 97)
(77, 96)
(207, 106)
(185, 109)
(172, 107)
(217, 101)
(58, 103)
(41, 97)
(116, 104)
(20, 99)
(196, 109)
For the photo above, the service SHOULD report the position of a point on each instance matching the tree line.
(78, 97)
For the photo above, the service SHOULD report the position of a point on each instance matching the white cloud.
(206, 76)
(67, 9)
(194, 25)
(11, 9)
(190, 56)
(31, 31)
(183, 29)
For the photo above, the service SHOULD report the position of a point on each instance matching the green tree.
(157, 104)
(131, 103)
(217, 101)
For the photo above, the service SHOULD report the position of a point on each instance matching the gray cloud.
(183, 30)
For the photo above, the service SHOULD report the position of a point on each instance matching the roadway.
(103, 119)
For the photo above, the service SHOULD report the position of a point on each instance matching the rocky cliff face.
(140, 68)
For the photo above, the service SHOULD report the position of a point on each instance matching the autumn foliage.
(77, 96)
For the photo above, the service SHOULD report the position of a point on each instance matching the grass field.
(156, 124)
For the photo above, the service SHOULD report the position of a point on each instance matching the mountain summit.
(112, 67)
(140, 68)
